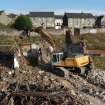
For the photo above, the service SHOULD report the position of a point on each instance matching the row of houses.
(50, 20)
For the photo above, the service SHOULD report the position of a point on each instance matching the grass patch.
(95, 41)
(10, 40)
(6, 40)
(99, 62)
(31, 39)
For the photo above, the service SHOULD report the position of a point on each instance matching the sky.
(59, 6)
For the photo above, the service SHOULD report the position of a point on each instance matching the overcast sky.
(24, 6)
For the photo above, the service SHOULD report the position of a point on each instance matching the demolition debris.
(29, 85)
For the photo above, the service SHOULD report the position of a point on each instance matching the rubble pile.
(37, 77)
(32, 81)
(5, 72)
(43, 98)
(98, 78)
(34, 86)
(85, 86)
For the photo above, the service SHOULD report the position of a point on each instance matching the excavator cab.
(56, 58)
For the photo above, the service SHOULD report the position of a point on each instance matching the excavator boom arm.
(45, 35)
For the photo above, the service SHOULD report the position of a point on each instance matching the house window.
(58, 24)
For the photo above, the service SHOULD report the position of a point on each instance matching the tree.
(65, 21)
(23, 23)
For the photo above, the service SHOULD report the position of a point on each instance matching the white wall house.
(80, 20)
(42, 18)
(58, 21)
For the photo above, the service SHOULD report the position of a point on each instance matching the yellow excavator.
(74, 56)
(79, 63)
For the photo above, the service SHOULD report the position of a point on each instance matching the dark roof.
(12, 15)
(58, 16)
(80, 15)
(1, 12)
(41, 14)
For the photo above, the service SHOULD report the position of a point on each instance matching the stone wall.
(11, 32)
(92, 30)
(82, 31)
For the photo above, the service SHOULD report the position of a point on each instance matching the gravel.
(98, 78)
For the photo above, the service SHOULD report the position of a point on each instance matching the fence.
(13, 32)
